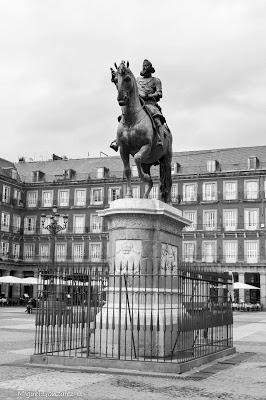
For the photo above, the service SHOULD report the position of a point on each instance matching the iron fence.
(160, 314)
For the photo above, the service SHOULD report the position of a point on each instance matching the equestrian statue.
(142, 131)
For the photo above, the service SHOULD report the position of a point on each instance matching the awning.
(29, 281)
(241, 285)
(10, 279)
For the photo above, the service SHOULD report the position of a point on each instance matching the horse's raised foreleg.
(139, 159)
(127, 171)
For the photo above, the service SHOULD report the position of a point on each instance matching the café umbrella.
(29, 281)
(242, 285)
(10, 279)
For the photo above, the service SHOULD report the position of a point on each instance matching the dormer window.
(102, 173)
(175, 167)
(14, 174)
(212, 165)
(11, 172)
(69, 173)
(253, 162)
(37, 176)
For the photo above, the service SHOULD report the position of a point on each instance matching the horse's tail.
(165, 171)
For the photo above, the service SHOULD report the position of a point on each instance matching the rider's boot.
(114, 145)
(160, 135)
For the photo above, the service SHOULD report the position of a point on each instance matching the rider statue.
(150, 92)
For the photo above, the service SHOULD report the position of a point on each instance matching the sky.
(55, 90)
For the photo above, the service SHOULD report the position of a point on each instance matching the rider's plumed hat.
(150, 64)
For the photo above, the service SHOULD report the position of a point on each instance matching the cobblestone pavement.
(244, 379)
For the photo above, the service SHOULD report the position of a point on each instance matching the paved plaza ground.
(239, 377)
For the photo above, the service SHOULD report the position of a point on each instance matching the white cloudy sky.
(55, 89)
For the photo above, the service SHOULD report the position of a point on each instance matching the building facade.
(222, 192)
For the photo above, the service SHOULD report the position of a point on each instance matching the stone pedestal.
(143, 313)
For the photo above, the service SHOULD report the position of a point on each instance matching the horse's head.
(126, 83)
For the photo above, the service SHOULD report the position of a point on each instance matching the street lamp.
(54, 227)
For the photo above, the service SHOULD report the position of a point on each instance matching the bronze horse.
(136, 137)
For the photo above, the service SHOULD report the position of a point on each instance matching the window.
(102, 172)
(44, 251)
(43, 226)
(80, 197)
(189, 192)
(37, 176)
(251, 251)
(14, 174)
(134, 171)
(63, 198)
(97, 196)
(212, 165)
(136, 192)
(6, 194)
(154, 193)
(16, 223)
(230, 220)
(209, 191)
(253, 162)
(189, 251)
(78, 252)
(17, 196)
(47, 198)
(61, 223)
(210, 220)
(192, 216)
(230, 190)
(29, 251)
(29, 225)
(79, 223)
(95, 252)
(251, 190)
(5, 221)
(68, 173)
(15, 250)
(209, 251)
(251, 218)
(174, 192)
(230, 251)
(96, 223)
(114, 193)
(60, 252)
(4, 248)
(32, 199)
(175, 168)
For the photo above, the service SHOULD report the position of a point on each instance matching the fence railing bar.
(150, 312)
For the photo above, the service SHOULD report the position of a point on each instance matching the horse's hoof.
(114, 146)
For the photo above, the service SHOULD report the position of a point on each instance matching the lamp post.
(54, 227)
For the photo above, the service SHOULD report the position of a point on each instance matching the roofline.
(175, 153)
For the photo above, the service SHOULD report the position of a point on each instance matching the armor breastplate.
(146, 85)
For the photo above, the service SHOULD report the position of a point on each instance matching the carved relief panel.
(169, 255)
(127, 254)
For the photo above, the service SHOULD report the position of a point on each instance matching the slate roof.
(229, 159)
(191, 162)
(6, 167)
